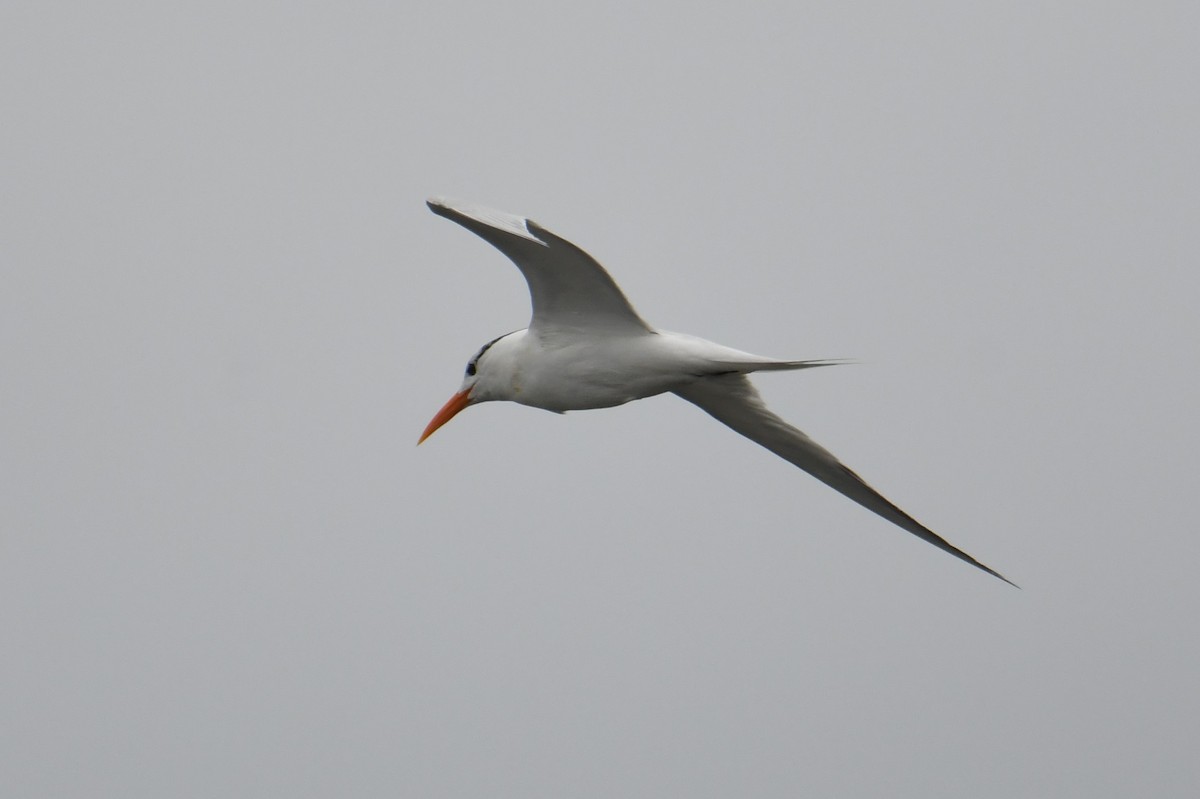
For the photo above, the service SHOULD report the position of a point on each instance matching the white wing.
(732, 400)
(568, 288)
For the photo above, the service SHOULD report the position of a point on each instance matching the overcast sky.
(226, 315)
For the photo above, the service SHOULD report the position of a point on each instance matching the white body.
(569, 373)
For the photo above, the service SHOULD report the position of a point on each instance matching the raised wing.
(732, 400)
(568, 288)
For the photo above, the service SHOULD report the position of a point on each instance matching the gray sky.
(226, 315)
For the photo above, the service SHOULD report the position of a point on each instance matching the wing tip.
(1000, 576)
(964, 556)
(473, 215)
(440, 205)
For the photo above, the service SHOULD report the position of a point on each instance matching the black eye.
(471, 364)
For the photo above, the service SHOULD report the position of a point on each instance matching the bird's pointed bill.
(455, 404)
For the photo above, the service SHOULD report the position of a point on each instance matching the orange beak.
(456, 403)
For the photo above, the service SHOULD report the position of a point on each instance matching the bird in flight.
(586, 347)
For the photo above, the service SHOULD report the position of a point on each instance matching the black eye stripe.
(471, 364)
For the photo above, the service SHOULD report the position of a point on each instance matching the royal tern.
(586, 347)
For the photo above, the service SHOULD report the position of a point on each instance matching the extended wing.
(732, 400)
(568, 288)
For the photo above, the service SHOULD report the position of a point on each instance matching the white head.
(480, 384)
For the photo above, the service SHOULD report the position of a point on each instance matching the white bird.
(586, 347)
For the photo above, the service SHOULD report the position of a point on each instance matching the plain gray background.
(226, 315)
